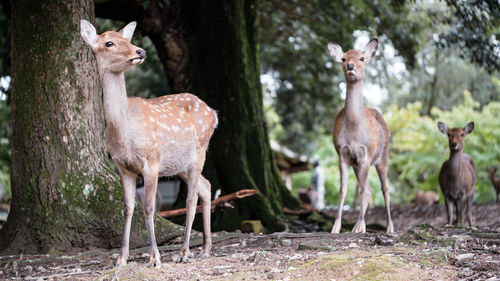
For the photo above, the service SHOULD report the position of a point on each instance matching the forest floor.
(422, 249)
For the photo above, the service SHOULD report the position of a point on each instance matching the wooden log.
(229, 197)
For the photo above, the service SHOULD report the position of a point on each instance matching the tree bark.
(65, 194)
(209, 47)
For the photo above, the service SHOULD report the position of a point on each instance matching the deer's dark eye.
(362, 58)
(109, 44)
(462, 135)
(449, 135)
(343, 60)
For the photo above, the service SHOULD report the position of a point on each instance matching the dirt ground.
(422, 249)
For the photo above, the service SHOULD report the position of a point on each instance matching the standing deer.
(458, 174)
(154, 137)
(495, 182)
(360, 136)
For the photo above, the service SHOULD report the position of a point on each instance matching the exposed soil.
(423, 249)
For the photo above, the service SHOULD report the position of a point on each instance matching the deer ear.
(89, 34)
(442, 127)
(128, 30)
(335, 52)
(371, 48)
(469, 127)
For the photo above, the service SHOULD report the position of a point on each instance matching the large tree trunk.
(65, 195)
(224, 69)
(209, 47)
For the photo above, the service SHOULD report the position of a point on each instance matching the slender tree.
(65, 194)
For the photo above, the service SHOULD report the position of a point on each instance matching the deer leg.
(191, 200)
(449, 210)
(355, 196)
(470, 199)
(463, 209)
(382, 174)
(205, 196)
(128, 185)
(364, 196)
(344, 174)
(150, 186)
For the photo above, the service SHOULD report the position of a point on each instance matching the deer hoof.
(184, 259)
(120, 264)
(390, 229)
(359, 227)
(203, 256)
(157, 264)
(121, 261)
(336, 228)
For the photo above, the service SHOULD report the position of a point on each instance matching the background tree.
(293, 52)
(65, 194)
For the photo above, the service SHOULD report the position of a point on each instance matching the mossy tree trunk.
(65, 194)
(209, 47)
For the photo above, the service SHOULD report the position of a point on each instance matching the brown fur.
(164, 136)
(360, 135)
(495, 182)
(425, 197)
(458, 174)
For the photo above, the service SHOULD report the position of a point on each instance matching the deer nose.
(350, 66)
(453, 144)
(141, 53)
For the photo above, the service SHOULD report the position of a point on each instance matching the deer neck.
(455, 160)
(115, 99)
(354, 109)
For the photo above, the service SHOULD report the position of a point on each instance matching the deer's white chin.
(137, 61)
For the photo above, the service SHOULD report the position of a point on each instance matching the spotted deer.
(495, 182)
(360, 135)
(164, 136)
(458, 174)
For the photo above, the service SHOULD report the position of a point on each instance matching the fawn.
(494, 181)
(458, 174)
(164, 136)
(360, 136)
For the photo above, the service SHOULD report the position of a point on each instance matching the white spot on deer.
(151, 119)
(188, 99)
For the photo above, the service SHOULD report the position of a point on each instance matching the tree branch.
(236, 195)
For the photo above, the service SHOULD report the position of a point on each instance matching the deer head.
(113, 50)
(456, 136)
(353, 61)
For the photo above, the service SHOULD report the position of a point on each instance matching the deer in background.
(425, 197)
(494, 181)
(458, 174)
(360, 136)
(164, 136)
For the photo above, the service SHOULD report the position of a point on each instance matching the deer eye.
(109, 44)
(462, 135)
(362, 58)
(343, 60)
(449, 135)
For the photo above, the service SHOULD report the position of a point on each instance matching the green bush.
(419, 148)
